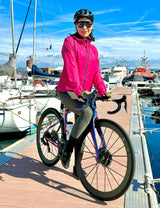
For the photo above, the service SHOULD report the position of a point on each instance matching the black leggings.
(70, 100)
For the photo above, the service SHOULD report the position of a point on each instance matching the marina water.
(152, 128)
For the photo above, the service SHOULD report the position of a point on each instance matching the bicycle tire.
(109, 178)
(48, 152)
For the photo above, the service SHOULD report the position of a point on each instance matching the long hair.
(90, 37)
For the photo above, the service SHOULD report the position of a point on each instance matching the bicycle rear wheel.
(109, 177)
(48, 152)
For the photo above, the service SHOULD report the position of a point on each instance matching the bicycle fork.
(93, 134)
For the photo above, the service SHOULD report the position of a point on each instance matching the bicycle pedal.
(69, 122)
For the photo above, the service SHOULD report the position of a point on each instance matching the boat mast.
(12, 27)
(144, 58)
(23, 27)
(13, 46)
(34, 31)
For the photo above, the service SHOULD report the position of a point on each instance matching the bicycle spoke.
(91, 141)
(94, 174)
(113, 176)
(89, 151)
(109, 136)
(118, 150)
(119, 163)
(108, 180)
(106, 177)
(49, 136)
(115, 172)
(93, 167)
(89, 157)
(113, 143)
(120, 156)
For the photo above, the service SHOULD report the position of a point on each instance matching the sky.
(123, 30)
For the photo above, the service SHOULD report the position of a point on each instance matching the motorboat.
(117, 74)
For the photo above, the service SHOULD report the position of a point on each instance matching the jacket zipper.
(87, 64)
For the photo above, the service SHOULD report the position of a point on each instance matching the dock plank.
(25, 182)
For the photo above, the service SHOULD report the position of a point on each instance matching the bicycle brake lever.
(88, 100)
(81, 106)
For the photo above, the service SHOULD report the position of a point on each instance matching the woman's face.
(84, 27)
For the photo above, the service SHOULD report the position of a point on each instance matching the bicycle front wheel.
(50, 126)
(108, 177)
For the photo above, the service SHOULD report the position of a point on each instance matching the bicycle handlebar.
(119, 102)
(92, 97)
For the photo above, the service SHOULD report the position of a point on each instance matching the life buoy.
(38, 82)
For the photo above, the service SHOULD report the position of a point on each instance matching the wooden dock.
(25, 182)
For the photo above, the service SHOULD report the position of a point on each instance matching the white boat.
(45, 101)
(158, 77)
(155, 86)
(105, 72)
(45, 94)
(17, 114)
(17, 109)
(117, 74)
(43, 87)
(156, 90)
(20, 104)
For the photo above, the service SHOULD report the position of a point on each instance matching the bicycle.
(105, 162)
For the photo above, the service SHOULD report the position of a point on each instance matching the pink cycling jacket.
(81, 67)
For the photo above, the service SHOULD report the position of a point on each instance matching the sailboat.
(17, 109)
(45, 94)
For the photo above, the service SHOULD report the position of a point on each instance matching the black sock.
(70, 145)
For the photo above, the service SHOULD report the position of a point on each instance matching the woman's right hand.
(81, 95)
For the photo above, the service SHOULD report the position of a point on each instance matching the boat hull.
(18, 118)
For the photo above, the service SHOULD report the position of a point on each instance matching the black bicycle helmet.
(83, 13)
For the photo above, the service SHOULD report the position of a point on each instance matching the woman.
(81, 70)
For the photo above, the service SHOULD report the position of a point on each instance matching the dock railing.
(149, 187)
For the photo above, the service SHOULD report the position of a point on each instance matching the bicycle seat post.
(67, 125)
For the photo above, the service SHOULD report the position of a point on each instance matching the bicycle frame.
(65, 113)
(48, 139)
(64, 117)
(98, 158)
(93, 134)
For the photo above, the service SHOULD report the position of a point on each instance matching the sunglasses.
(81, 24)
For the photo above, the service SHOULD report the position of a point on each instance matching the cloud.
(128, 47)
(145, 15)
(69, 17)
(141, 28)
(21, 3)
(106, 11)
(129, 23)
(2, 7)
(157, 25)
(125, 38)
